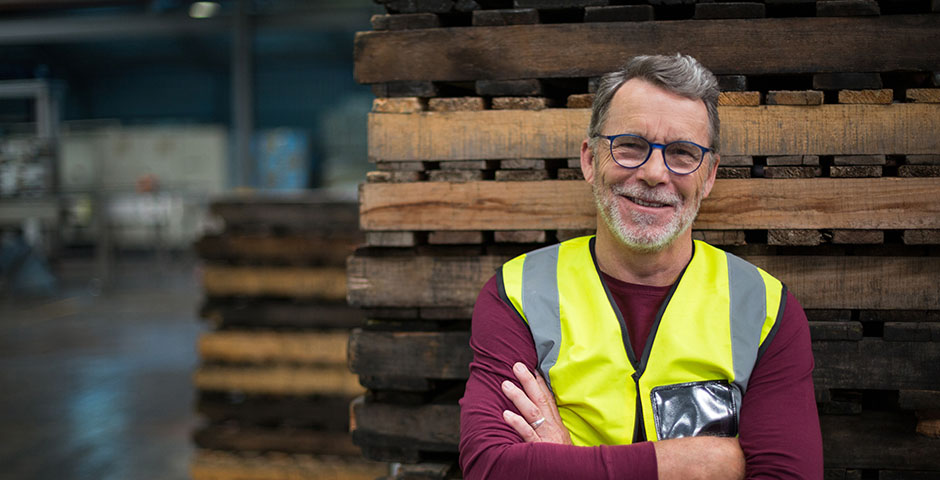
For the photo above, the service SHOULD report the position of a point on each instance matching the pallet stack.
(274, 390)
(831, 151)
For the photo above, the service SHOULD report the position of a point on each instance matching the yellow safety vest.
(706, 339)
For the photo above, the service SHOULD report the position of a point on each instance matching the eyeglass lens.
(681, 157)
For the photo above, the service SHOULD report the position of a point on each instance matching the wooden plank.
(919, 399)
(281, 314)
(925, 95)
(286, 440)
(792, 172)
(835, 330)
(788, 160)
(325, 283)
(883, 96)
(405, 21)
(789, 97)
(456, 104)
(836, 129)
(294, 212)
(719, 237)
(856, 282)
(521, 103)
(434, 355)
(520, 236)
(794, 237)
(921, 237)
(413, 88)
(399, 105)
(845, 8)
(870, 440)
(877, 440)
(520, 87)
(324, 413)
(911, 332)
(800, 45)
(496, 18)
(739, 99)
(873, 363)
(437, 424)
(858, 237)
(858, 363)
(877, 203)
(293, 249)
(619, 13)
(267, 346)
(278, 380)
(391, 239)
(217, 465)
(420, 281)
(855, 171)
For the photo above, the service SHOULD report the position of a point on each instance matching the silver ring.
(538, 423)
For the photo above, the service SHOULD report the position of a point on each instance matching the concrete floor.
(96, 385)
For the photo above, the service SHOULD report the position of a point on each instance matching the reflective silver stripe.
(748, 312)
(540, 304)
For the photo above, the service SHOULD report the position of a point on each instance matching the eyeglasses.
(632, 151)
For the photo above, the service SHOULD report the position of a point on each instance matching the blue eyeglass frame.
(653, 146)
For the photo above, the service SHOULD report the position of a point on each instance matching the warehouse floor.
(97, 385)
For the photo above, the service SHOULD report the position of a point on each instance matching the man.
(666, 357)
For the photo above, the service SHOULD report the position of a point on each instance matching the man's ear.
(710, 180)
(587, 161)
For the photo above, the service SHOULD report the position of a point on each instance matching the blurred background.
(120, 121)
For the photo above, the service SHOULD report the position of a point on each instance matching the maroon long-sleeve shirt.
(778, 430)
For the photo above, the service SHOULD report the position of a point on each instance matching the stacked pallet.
(273, 385)
(831, 152)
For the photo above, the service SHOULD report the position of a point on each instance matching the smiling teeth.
(646, 204)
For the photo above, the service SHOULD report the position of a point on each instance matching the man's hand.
(539, 421)
(699, 458)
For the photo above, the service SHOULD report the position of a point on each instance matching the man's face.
(648, 208)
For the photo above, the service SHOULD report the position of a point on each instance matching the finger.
(532, 389)
(543, 386)
(521, 427)
(530, 411)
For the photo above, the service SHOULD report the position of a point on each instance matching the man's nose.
(654, 171)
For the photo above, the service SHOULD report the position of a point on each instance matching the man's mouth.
(646, 203)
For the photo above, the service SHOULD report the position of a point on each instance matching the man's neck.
(659, 269)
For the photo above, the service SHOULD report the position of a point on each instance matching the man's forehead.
(639, 104)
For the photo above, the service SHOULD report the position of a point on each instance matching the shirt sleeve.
(489, 447)
(779, 430)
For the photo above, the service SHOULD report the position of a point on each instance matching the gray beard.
(634, 235)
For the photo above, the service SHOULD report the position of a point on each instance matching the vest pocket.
(695, 409)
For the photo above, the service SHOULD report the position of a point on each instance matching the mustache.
(646, 194)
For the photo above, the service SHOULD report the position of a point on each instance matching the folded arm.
(490, 446)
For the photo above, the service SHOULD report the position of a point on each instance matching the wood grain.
(217, 465)
(320, 412)
(873, 363)
(799, 45)
(269, 346)
(837, 129)
(870, 440)
(278, 380)
(292, 249)
(875, 203)
(325, 283)
(856, 282)
(287, 440)
(436, 355)
(858, 363)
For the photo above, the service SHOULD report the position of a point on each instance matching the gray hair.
(679, 74)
